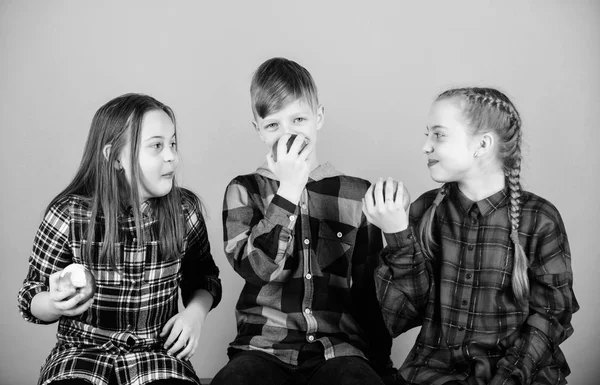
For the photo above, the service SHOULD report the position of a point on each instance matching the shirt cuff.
(401, 239)
(282, 212)
(25, 299)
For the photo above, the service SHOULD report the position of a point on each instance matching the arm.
(39, 299)
(402, 282)
(198, 269)
(551, 306)
(257, 245)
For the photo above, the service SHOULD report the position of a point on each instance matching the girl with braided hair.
(481, 265)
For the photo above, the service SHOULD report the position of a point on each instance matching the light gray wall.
(377, 67)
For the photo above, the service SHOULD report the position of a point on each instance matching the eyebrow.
(437, 126)
(158, 137)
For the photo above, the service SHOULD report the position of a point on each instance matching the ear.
(106, 152)
(258, 131)
(320, 117)
(486, 143)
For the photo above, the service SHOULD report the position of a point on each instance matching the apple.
(288, 145)
(76, 276)
(405, 197)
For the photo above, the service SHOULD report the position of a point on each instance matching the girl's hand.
(385, 211)
(183, 330)
(66, 300)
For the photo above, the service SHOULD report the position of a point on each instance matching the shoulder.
(539, 214)
(70, 205)
(422, 203)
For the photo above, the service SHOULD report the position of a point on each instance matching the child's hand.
(183, 330)
(385, 211)
(65, 300)
(291, 168)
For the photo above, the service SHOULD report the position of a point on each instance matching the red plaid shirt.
(308, 267)
(473, 330)
(120, 331)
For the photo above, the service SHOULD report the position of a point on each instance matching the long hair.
(106, 188)
(489, 109)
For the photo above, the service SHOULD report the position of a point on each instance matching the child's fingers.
(389, 191)
(188, 351)
(79, 309)
(178, 345)
(379, 193)
(167, 328)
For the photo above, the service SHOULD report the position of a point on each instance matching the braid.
(490, 109)
(426, 225)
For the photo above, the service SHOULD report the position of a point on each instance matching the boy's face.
(296, 117)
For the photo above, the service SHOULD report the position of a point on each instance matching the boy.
(294, 230)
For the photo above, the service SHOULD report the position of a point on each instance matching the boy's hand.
(385, 211)
(291, 168)
(65, 300)
(183, 331)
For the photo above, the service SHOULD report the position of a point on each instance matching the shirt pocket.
(335, 246)
(106, 274)
(163, 272)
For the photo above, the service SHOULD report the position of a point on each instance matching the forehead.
(157, 123)
(294, 107)
(446, 112)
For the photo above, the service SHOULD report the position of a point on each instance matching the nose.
(427, 147)
(170, 154)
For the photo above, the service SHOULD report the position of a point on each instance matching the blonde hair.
(490, 109)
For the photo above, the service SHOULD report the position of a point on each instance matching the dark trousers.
(258, 368)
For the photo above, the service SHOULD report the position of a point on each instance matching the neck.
(482, 186)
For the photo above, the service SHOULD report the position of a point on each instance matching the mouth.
(169, 174)
(432, 162)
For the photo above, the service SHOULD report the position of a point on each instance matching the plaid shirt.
(120, 331)
(308, 267)
(473, 330)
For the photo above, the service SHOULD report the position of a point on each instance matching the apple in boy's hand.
(76, 276)
(288, 145)
(405, 197)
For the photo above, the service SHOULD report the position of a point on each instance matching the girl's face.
(449, 145)
(158, 158)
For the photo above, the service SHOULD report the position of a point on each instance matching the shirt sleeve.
(365, 259)
(551, 306)
(199, 270)
(258, 244)
(402, 282)
(51, 252)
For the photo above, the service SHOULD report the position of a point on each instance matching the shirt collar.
(485, 206)
(323, 171)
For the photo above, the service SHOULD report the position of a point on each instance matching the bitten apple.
(288, 145)
(76, 276)
(405, 197)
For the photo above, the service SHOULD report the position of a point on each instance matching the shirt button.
(339, 234)
(474, 221)
(304, 206)
(470, 247)
(292, 218)
(469, 275)
(464, 302)
(308, 276)
(311, 338)
(306, 241)
(307, 310)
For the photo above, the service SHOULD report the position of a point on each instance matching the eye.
(271, 127)
(438, 135)
(156, 146)
(299, 120)
(174, 145)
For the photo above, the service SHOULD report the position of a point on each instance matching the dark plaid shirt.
(473, 329)
(308, 267)
(120, 331)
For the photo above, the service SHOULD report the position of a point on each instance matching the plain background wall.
(377, 67)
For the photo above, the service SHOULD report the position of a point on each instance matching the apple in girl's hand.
(288, 145)
(76, 276)
(405, 197)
